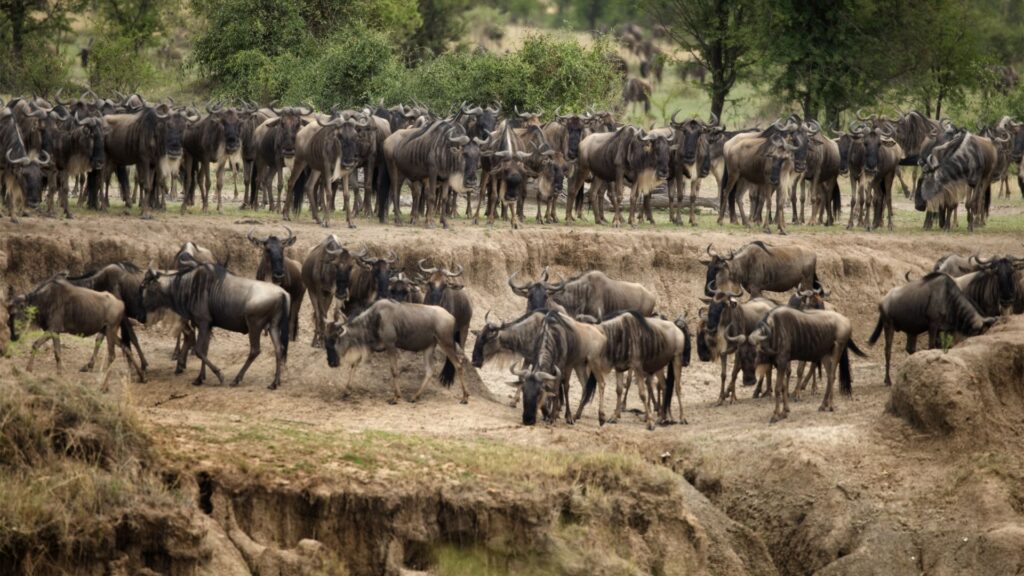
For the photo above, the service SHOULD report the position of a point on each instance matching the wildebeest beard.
(513, 183)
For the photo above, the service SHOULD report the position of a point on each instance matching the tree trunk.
(17, 14)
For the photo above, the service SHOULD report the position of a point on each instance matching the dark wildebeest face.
(171, 130)
(287, 126)
(717, 272)
(486, 345)
(809, 299)
(349, 135)
(575, 127)
(29, 174)
(689, 132)
(273, 252)
(845, 143)
(684, 326)
(1006, 277)
(873, 140)
(403, 289)
(537, 386)
(152, 297)
(341, 341)
(780, 152)
(230, 122)
(554, 168)
(88, 135)
(657, 150)
(1017, 132)
(380, 269)
(536, 293)
(471, 159)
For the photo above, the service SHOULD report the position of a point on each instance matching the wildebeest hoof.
(782, 232)
(464, 401)
(197, 382)
(273, 386)
(650, 426)
(235, 382)
(85, 368)
(611, 420)
(351, 226)
(392, 401)
(682, 421)
(513, 404)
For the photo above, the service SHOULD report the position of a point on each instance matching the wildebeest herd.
(496, 158)
(589, 325)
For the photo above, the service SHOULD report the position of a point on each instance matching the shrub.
(114, 65)
(345, 70)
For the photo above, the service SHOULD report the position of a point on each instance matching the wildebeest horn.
(426, 270)
(253, 238)
(290, 234)
(522, 372)
(708, 250)
(487, 317)
(335, 251)
(22, 160)
(515, 288)
(674, 114)
(863, 118)
(455, 274)
(714, 120)
(886, 131)
(336, 122)
(544, 274)
(812, 127)
(392, 257)
(546, 376)
(807, 293)
(558, 286)
(362, 254)
(482, 141)
(671, 136)
(712, 287)
(459, 140)
(906, 276)
(523, 155)
(978, 261)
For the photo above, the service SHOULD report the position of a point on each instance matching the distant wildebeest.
(931, 304)
(759, 266)
(637, 90)
(328, 151)
(881, 154)
(516, 339)
(283, 271)
(592, 293)
(993, 287)
(627, 156)
(765, 161)
(443, 291)
(23, 177)
(78, 149)
(965, 164)
(815, 336)
(536, 293)
(63, 308)
(274, 146)
(725, 322)
(388, 326)
(209, 297)
(694, 137)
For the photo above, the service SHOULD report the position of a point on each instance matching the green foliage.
(440, 27)
(345, 70)
(41, 71)
(546, 73)
(115, 66)
(134, 21)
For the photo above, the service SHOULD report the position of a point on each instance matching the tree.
(30, 33)
(440, 27)
(136, 20)
(714, 33)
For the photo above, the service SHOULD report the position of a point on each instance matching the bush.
(345, 71)
(115, 66)
(42, 71)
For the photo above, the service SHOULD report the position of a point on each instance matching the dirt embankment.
(858, 491)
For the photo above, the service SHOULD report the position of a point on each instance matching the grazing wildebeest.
(320, 272)
(209, 297)
(274, 144)
(437, 153)
(993, 287)
(443, 291)
(592, 293)
(931, 304)
(77, 150)
(956, 265)
(517, 338)
(643, 346)
(63, 308)
(564, 346)
(816, 336)
(283, 271)
(967, 162)
(694, 137)
(759, 266)
(725, 322)
(124, 281)
(628, 155)
(216, 139)
(152, 141)
(388, 326)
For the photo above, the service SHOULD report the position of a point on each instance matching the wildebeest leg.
(204, 171)
(724, 359)
(111, 333)
(644, 389)
(780, 211)
(254, 351)
(220, 182)
(35, 348)
(201, 348)
(345, 200)
(619, 389)
(799, 379)
(563, 390)
(830, 371)
(781, 389)
(319, 313)
(853, 202)
(95, 352)
(933, 337)
(694, 191)
(428, 373)
(732, 382)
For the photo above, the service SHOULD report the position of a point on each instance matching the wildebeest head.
(153, 298)
(1016, 130)
(684, 326)
(809, 299)
(287, 123)
(657, 151)
(553, 168)
(780, 151)
(27, 172)
(17, 314)
(404, 289)
(719, 272)
(380, 269)
(348, 131)
(1005, 270)
(761, 337)
(273, 252)
(575, 128)
(228, 122)
(438, 281)
(690, 131)
(344, 341)
(169, 126)
(536, 387)
(341, 260)
(873, 138)
(486, 345)
(512, 170)
(89, 138)
(848, 146)
(935, 178)
(536, 293)
(720, 312)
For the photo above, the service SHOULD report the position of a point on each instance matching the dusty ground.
(857, 491)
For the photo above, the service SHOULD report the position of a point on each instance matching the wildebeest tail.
(448, 372)
(877, 332)
(122, 182)
(853, 346)
(383, 191)
(282, 326)
(837, 199)
(687, 351)
(126, 331)
(845, 378)
(670, 386)
(299, 190)
(588, 389)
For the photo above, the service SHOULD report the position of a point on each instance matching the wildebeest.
(759, 266)
(881, 158)
(283, 271)
(320, 275)
(816, 336)
(913, 132)
(274, 146)
(764, 160)
(23, 177)
(361, 280)
(505, 173)
(63, 308)
(644, 346)
(637, 90)
(515, 338)
(329, 151)
(77, 150)
(693, 137)
(563, 347)
(152, 141)
(628, 155)
(388, 326)
(725, 323)
(404, 289)
(215, 139)
(956, 265)
(564, 134)
(993, 287)
(209, 297)
(967, 163)
(931, 304)
(436, 154)
(123, 280)
(443, 291)
(252, 118)
(592, 293)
